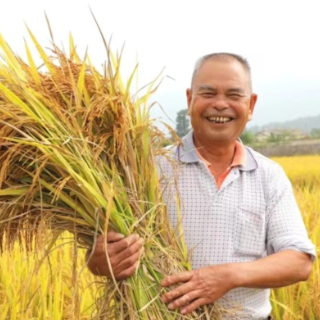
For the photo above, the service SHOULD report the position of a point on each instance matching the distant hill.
(305, 124)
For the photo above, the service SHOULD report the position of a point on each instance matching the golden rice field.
(58, 289)
(302, 301)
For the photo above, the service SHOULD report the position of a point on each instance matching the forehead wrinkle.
(237, 90)
(206, 87)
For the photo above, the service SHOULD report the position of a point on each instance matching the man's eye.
(235, 96)
(207, 94)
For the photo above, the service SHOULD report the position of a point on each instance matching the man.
(239, 215)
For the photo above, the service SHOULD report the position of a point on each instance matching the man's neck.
(220, 156)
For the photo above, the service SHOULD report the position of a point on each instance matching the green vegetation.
(315, 133)
(182, 123)
(276, 136)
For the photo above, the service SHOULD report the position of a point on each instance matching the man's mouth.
(219, 119)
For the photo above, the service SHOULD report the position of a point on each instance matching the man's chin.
(215, 139)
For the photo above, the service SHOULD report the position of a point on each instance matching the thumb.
(113, 236)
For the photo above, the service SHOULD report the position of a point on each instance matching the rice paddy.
(35, 285)
(302, 301)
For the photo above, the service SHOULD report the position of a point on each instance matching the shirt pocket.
(249, 236)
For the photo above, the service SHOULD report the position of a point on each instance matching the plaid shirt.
(252, 214)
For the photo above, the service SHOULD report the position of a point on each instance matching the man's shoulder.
(173, 151)
(167, 157)
(169, 152)
(263, 162)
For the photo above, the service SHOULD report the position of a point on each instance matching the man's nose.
(221, 102)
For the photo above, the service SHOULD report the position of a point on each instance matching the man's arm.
(277, 270)
(206, 285)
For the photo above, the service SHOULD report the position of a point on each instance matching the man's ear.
(189, 100)
(253, 101)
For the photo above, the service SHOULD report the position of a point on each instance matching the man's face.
(220, 102)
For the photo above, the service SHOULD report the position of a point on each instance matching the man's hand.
(123, 253)
(199, 287)
(206, 285)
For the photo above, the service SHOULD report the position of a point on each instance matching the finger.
(193, 305)
(99, 246)
(177, 278)
(127, 262)
(184, 300)
(126, 253)
(113, 236)
(117, 243)
(127, 272)
(119, 261)
(177, 292)
(99, 265)
(123, 244)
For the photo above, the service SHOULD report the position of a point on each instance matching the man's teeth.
(219, 119)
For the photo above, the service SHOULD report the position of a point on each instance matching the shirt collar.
(239, 157)
(187, 153)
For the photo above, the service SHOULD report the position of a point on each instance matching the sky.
(280, 39)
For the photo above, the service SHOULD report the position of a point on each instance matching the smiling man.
(239, 215)
(220, 103)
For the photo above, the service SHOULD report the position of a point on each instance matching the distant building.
(280, 135)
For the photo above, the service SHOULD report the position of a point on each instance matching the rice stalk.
(78, 154)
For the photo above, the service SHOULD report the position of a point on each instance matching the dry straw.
(78, 154)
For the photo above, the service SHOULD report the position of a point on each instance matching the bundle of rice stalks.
(78, 154)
